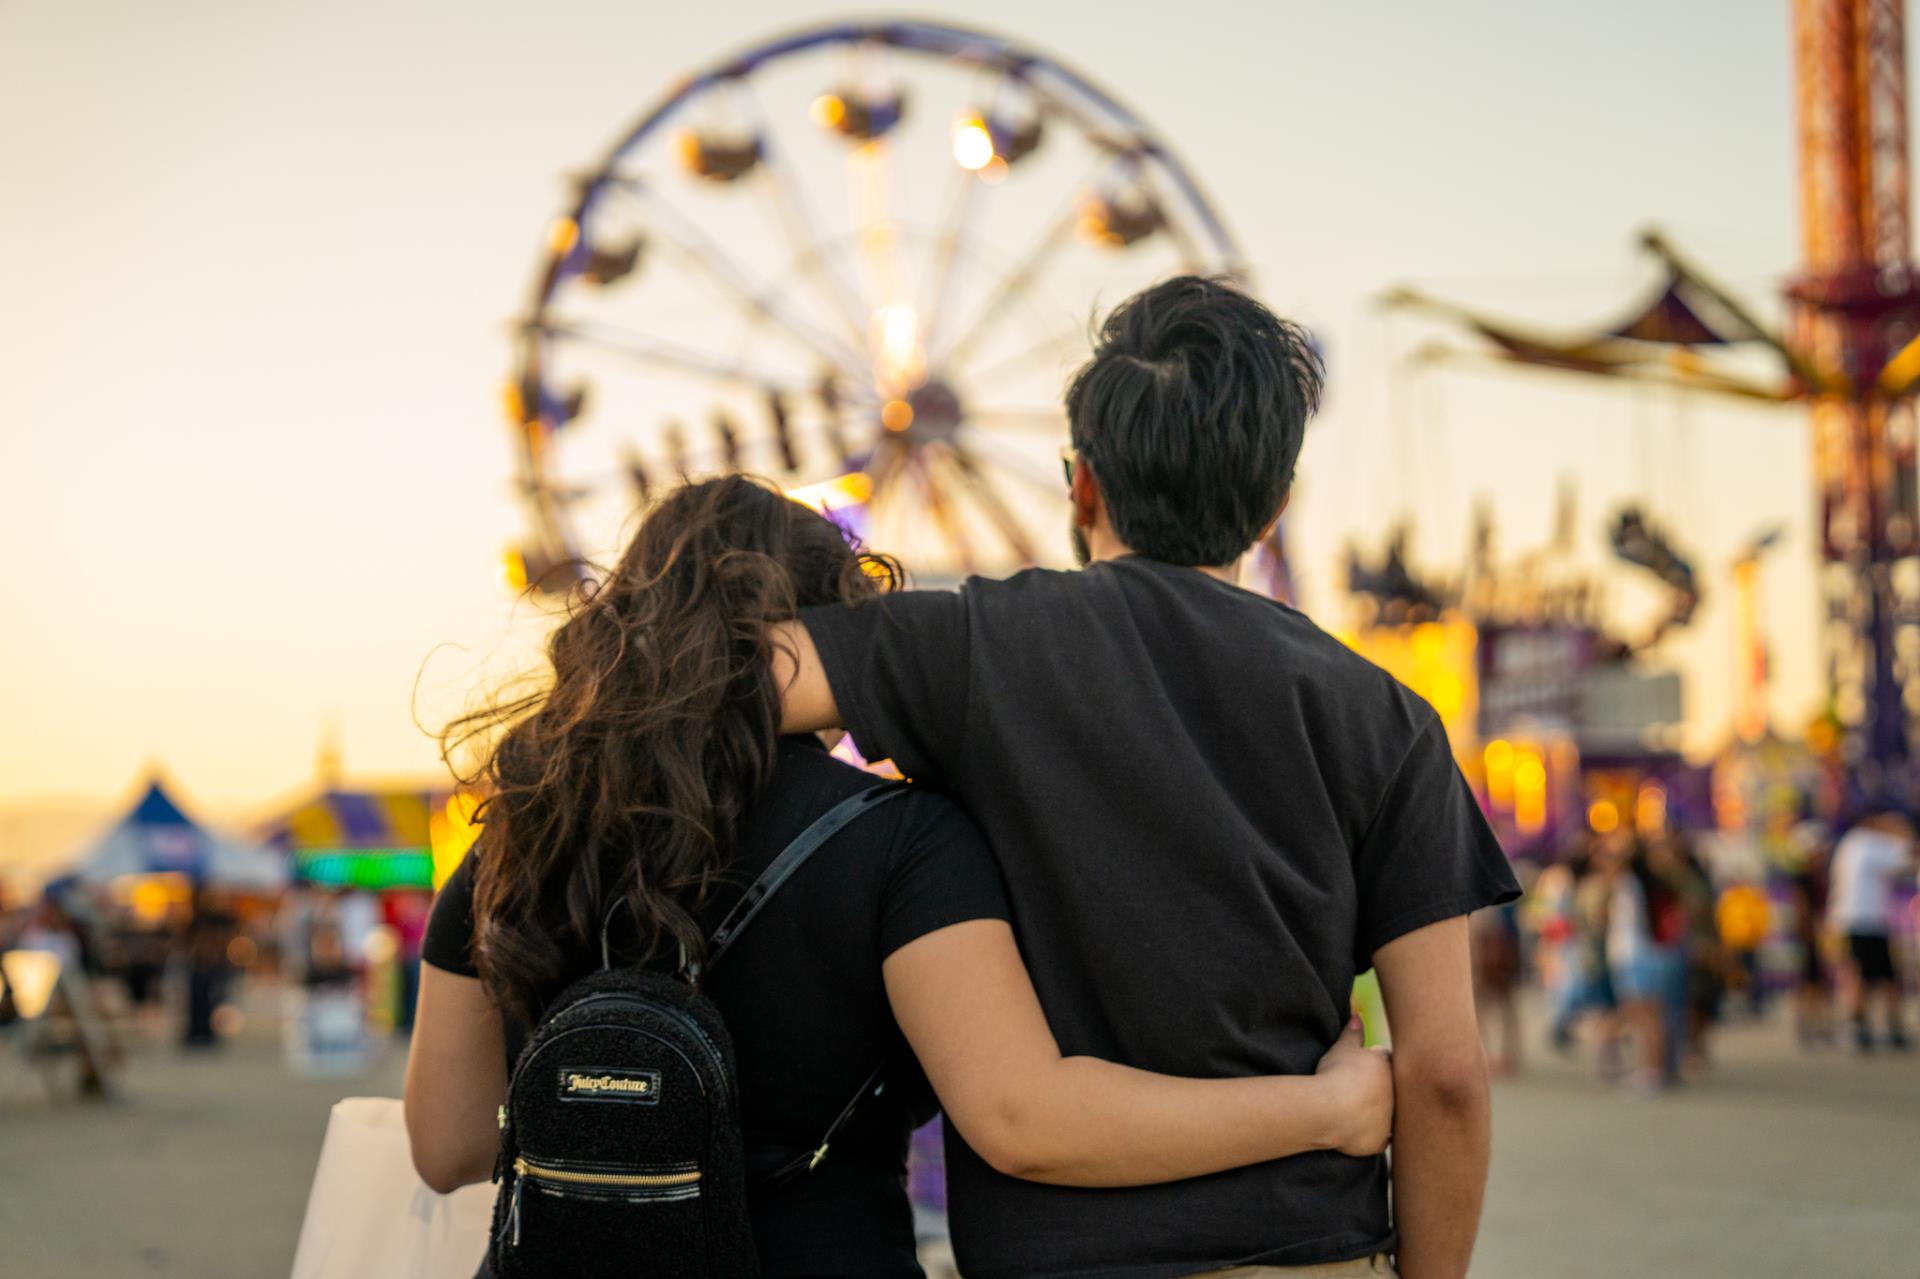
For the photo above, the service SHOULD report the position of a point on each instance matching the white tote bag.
(370, 1216)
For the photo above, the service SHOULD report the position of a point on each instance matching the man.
(1210, 814)
(1860, 908)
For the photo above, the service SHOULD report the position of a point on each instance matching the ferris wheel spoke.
(1053, 420)
(755, 295)
(791, 210)
(989, 500)
(1192, 260)
(668, 355)
(946, 251)
(1016, 282)
(944, 514)
(1050, 350)
(988, 450)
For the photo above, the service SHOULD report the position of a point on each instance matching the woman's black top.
(803, 998)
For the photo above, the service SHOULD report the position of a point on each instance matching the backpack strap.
(801, 1164)
(778, 872)
(791, 858)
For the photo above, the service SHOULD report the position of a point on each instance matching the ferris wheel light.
(829, 110)
(512, 402)
(896, 415)
(562, 234)
(972, 143)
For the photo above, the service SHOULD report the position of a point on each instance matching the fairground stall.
(365, 863)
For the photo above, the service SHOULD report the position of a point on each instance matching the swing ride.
(859, 259)
(1850, 351)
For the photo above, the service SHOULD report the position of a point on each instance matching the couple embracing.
(1159, 825)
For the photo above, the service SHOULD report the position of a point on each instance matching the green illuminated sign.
(366, 867)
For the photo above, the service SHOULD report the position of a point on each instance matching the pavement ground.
(1780, 1164)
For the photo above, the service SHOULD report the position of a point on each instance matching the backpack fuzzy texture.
(626, 1088)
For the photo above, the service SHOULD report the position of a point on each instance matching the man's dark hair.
(1191, 414)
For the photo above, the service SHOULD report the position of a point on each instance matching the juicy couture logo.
(602, 1084)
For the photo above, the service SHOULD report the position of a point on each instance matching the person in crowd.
(1211, 815)
(1866, 862)
(1588, 994)
(1743, 918)
(210, 929)
(651, 773)
(1812, 1006)
(1495, 936)
(1695, 1004)
(1646, 962)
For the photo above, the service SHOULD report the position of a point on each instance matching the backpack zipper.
(523, 1169)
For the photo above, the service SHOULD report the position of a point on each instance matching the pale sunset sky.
(256, 259)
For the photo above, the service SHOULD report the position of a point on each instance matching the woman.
(651, 772)
(1646, 926)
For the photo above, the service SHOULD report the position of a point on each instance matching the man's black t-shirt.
(1210, 814)
(803, 998)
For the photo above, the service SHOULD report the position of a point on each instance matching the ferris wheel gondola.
(892, 349)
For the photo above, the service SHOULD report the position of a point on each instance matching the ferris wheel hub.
(930, 413)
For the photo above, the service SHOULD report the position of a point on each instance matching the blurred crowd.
(1642, 949)
(172, 970)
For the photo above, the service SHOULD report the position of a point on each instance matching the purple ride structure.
(860, 259)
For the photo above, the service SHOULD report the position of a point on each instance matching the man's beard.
(1082, 553)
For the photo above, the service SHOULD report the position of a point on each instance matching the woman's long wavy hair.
(625, 778)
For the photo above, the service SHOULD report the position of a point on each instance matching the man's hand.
(806, 699)
(1360, 1080)
(1442, 1130)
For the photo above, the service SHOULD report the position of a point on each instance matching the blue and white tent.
(157, 838)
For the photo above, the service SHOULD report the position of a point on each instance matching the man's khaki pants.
(1378, 1266)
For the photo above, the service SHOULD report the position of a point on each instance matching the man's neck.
(1102, 545)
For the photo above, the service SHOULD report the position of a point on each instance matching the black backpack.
(620, 1147)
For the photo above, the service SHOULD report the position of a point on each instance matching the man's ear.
(1086, 496)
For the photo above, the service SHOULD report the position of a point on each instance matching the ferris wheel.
(860, 260)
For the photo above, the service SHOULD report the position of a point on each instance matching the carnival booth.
(365, 863)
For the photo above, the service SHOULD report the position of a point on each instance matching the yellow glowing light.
(972, 144)
(1499, 756)
(690, 150)
(513, 403)
(896, 415)
(1603, 817)
(1530, 793)
(513, 570)
(31, 976)
(896, 329)
(994, 172)
(828, 111)
(451, 831)
(850, 489)
(562, 234)
(151, 897)
(1650, 808)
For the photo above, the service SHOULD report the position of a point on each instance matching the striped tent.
(392, 837)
